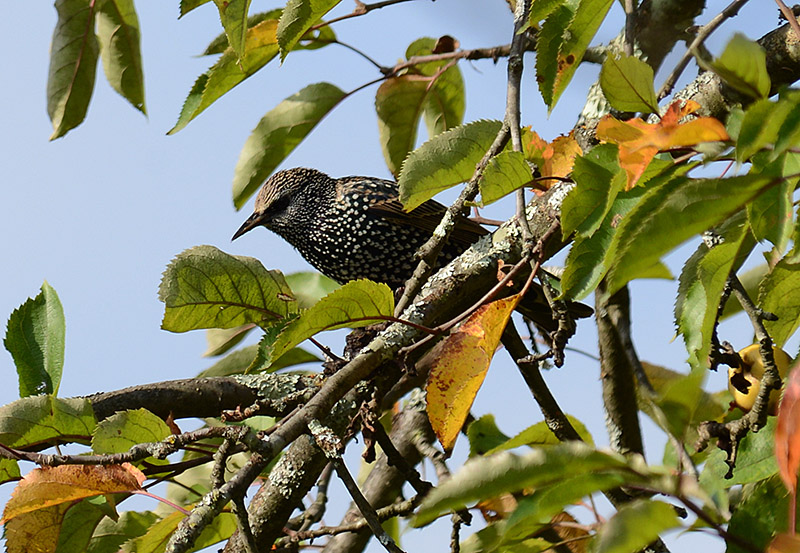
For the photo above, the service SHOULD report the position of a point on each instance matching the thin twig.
(630, 26)
(788, 14)
(243, 524)
(361, 9)
(702, 34)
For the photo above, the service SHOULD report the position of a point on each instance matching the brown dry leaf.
(639, 142)
(49, 486)
(787, 437)
(497, 508)
(554, 159)
(36, 531)
(784, 543)
(459, 367)
(570, 532)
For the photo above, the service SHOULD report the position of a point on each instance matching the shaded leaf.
(79, 523)
(38, 420)
(357, 303)
(505, 173)
(278, 133)
(309, 287)
(702, 282)
(761, 125)
(444, 161)
(635, 525)
(35, 339)
(669, 214)
(787, 432)
(750, 279)
(73, 65)
(770, 214)
(759, 514)
(111, 535)
(158, 534)
(540, 434)
(460, 365)
(120, 49)
(188, 5)
(204, 287)
(548, 41)
(40, 527)
(297, 18)
(261, 47)
(743, 65)
(755, 460)
(779, 293)
(221, 340)
(484, 435)
(627, 84)
(233, 16)
(238, 362)
(9, 470)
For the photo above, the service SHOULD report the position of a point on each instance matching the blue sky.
(100, 213)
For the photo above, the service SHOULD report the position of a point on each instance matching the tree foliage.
(641, 172)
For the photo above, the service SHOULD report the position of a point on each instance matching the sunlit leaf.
(120, 49)
(37, 420)
(627, 84)
(233, 16)
(125, 429)
(505, 173)
(298, 17)
(779, 293)
(635, 525)
(743, 65)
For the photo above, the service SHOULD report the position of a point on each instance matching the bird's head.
(281, 200)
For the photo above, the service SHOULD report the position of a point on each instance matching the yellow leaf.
(459, 367)
(639, 142)
(554, 159)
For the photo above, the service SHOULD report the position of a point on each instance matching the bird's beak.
(256, 219)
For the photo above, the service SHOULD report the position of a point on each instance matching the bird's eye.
(280, 204)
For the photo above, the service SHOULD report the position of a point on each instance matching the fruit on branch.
(744, 381)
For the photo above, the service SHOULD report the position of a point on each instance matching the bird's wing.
(427, 217)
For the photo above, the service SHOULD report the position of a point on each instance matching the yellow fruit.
(748, 377)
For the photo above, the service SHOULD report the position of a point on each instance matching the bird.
(355, 227)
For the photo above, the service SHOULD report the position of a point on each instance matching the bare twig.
(243, 523)
(788, 14)
(630, 26)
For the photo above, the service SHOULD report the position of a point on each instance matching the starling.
(355, 227)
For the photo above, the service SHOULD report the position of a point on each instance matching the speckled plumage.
(352, 227)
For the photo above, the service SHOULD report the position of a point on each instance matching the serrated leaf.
(770, 214)
(750, 279)
(540, 434)
(590, 257)
(261, 47)
(38, 420)
(158, 534)
(779, 293)
(233, 16)
(761, 125)
(669, 214)
(310, 287)
(120, 49)
(125, 429)
(505, 173)
(278, 133)
(627, 84)
(204, 287)
(635, 525)
(548, 41)
(459, 366)
(743, 65)
(702, 282)
(298, 17)
(598, 179)
(760, 513)
(541, 9)
(573, 41)
(444, 161)
(491, 476)
(73, 65)
(35, 338)
(357, 303)
(755, 460)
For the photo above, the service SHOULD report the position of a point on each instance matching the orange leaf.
(639, 142)
(459, 366)
(784, 543)
(787, 437)
(49, 486)
(554, 159)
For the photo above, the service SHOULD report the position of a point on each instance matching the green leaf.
(188, 5)
(702, 281)
(35, 339)
(110, 535)
(491, 476)
(261, 47)
(78, 525)
(743, 65)
(505, 173)
(789, 132)
(298, 17)
(220, 42)
(750, 279)
(238, 362)
(221, 340)
(680, 400)
(125, 429)
(627, 84)
(233, 16)
(760, 514)
(158, 534)
(120, 50)
(444, 161)
(755, 460)
(770, 214)
(309, 287)
(572, 42)
(634, 526)
(9, 471)
(358, 303)
(41, 420)
(73, 65)
(540, 434)
(484, 435)
(541, 9)
(760, 127)
(598, 179)
(590, 258)
(278, 133)
(204, 287)
(549, 39)
(779, 293)
(669, 214)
